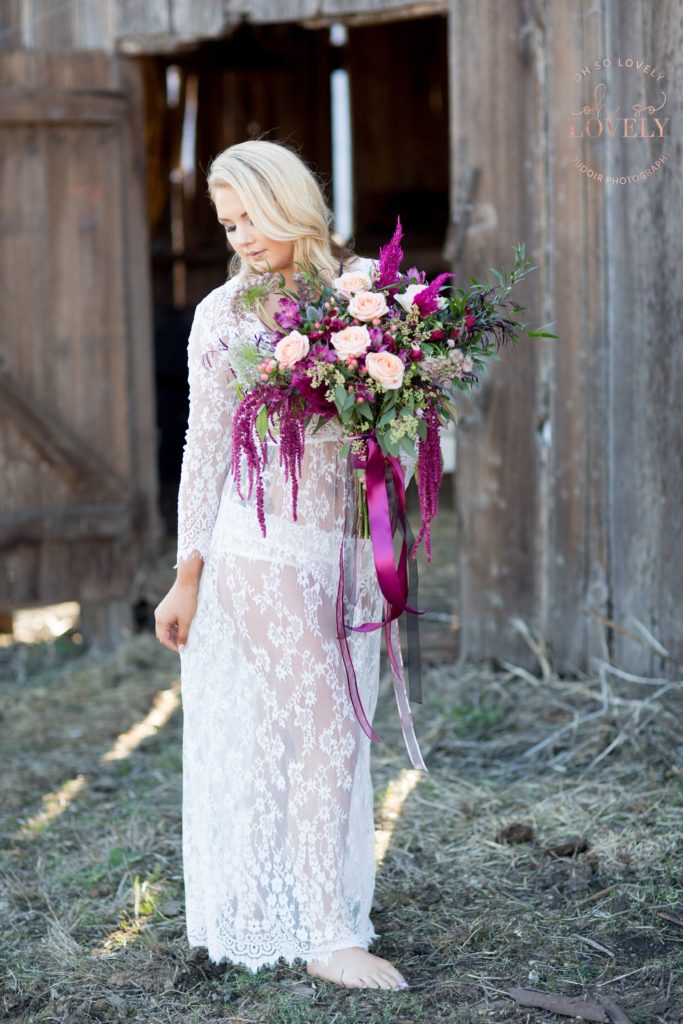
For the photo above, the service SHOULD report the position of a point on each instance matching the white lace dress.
(278, 844)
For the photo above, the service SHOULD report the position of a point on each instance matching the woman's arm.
(206, 452)
(206, 458)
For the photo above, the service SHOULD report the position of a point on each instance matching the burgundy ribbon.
(392, 579)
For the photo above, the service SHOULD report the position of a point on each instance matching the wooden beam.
(86, 521)
(57, 443)
(60, 106)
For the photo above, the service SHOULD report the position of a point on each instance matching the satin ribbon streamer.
(386, 511)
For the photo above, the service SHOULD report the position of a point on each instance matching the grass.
(92, 888)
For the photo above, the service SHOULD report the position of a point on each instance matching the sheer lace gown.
(278, 845)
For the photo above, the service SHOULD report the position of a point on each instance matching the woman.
(278, 833)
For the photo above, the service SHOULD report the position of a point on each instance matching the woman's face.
(257, 250)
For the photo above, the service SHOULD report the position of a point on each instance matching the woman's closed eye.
(231, 227)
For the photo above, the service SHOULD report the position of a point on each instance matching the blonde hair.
(284, 200)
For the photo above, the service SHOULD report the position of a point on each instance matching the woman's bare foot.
(356, 968)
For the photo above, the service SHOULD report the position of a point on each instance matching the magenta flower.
(314, 398)
(390, 257)
(288, 315)
(429, 469)
(428, 299)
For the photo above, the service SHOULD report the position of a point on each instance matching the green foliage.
(262, 422)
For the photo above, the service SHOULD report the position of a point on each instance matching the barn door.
(78, 505)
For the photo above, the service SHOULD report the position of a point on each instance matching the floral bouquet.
(384, 353)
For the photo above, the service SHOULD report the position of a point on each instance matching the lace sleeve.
(206, 452)
(408, 464)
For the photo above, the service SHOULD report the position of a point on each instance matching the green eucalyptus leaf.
(340, 396)
(387, 417)
(391, 446)
(365, 410)
(262, 422)
(408, 445)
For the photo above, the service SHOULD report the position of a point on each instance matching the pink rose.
(386, 368)
(290, 349)
(352, 341)
(350, 282)
(368, 305)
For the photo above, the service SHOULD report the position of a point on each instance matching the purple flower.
(322, 352)
(314, 398)
(288, 315)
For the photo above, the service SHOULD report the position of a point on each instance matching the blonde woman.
(278, 849)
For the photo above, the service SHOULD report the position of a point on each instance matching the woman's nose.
(245, 236)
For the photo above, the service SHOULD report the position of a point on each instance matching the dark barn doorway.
(387, 83)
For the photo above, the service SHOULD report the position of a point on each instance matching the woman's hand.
(174, 615)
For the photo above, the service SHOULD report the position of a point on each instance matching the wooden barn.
(461, 116)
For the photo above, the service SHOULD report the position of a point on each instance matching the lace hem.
(184, 556)
(255, 959)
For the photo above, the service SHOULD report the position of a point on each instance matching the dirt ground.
(542, 852)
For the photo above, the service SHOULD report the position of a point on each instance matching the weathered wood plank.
(498, 478)
(68, 454)
(645, 329)
(151, 18)
(10, 25)
(139, 326)
(95, 24)
(198, 18)
(50, 24)
(577, 570)
(27, 106)
(325, 11)
(70, 523)
(74, 307)
(136, 27)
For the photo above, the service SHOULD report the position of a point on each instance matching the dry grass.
(91, 871)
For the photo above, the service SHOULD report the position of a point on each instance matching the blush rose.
(290, 349)
(352, 341)
(350, 282)
(368, 305)
(386, 368)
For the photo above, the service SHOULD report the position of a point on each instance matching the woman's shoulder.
(218, 300)
(356, 262)
(213, 314)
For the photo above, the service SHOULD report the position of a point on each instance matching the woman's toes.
(397, 982)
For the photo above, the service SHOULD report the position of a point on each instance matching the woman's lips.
(254, 255)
